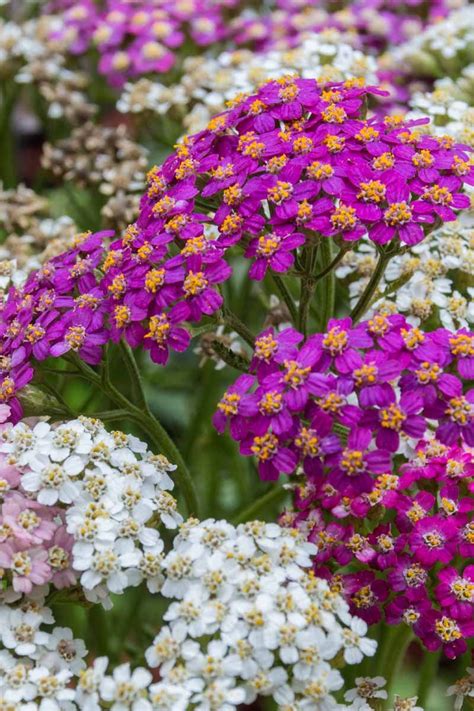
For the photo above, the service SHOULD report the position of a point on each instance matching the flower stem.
(234, 322)
(428, 671)
(393, 655)
(275, 494)
(332, 264)
(308, 286)
(366, 297)
(286, 296)
(329, 287)
(149, 424)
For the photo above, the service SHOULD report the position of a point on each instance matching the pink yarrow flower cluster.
(35, 547)
(134, 40)
(372, 24)
(293, 161)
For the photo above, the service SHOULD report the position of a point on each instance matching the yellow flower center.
(428, 373)
(412, 337)
(438, 195)
(462, 345)
(159, 328)
(365, 375)
(268, 245)
(308, 441)
(373, 191)
(334, 114)
(265, 447)
(367, 134)
(271, 403)
(447, 629)
(229, 404)
(194, 283)
(154, 279)
(121, 315)
(423, 159)
(295, 375)
(334, 144)
(352, 461)
(392, 417)
(75, 337)
(231, 224)
(384, 161)
(320, 171)
(344, 217)
(460, 410)
(265, 347)
(280, 192)
(335, 341)
(398, 213)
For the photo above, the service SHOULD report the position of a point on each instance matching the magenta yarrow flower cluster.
(294, 162)
(407, 544)
(133, 40)
(342, 412)
(372, 24)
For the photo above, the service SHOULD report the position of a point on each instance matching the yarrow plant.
(274, 204)
(291, 166)
(81, 504)
(371, 418)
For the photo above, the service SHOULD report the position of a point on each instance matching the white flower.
(88, 684)
(125, 689)
(367, 688)
(51, 688)
(20, 632)
(462, 688)
(219, 694)
(169, 697)
(405, 704)
(65, 651)
(355, 644)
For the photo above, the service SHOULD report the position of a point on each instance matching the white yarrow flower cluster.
(443, 48)
(36, 665)
(462, 689)
(428, 279)
(115, 492)
(249, 620)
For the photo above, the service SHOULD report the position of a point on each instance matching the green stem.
(393, 655)
(275, 494)
(333, 263)
(234, 322)
(134, 373)
(8, 95)
(428, 671)
(329, 285)
(286, 296)
(366, 297)
(151, 426)
(308, 286)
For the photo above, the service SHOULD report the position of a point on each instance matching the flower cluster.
(82, 502)
(345, 411)
(208, 83)
(443, 49)
(135, 40)
(294, 159)
(37, 664)
(97, 156)
(248, 620)
(429, 281)
(373, 24)
(32, 236)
